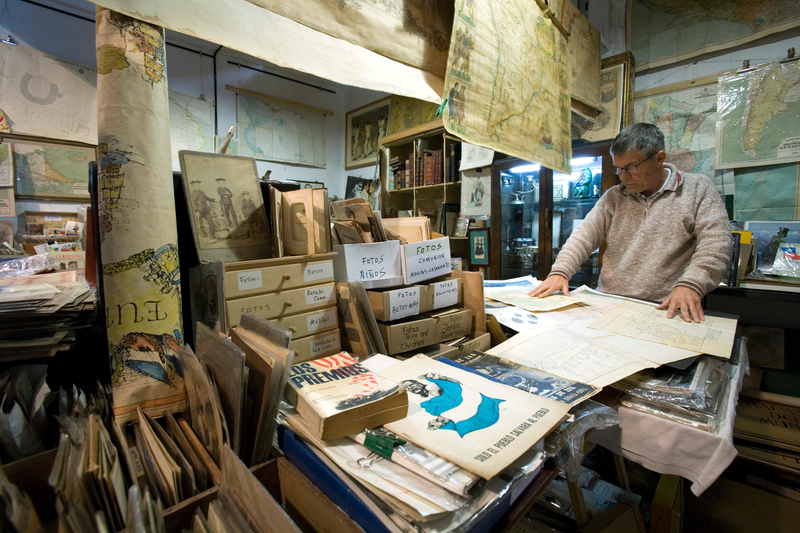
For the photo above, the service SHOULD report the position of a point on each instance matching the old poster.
(584, 53)
(137, 217)
(475, 423)
(508, 82)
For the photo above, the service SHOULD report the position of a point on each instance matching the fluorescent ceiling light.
(578, 161)
(525, 168)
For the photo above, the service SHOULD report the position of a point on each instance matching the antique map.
(714, 336)
(608, 123)
(6, 167)
(667, 31)
(688, 119)
(508, 82)
(757, 113)
(49, 170)
(274, 131)
(767, 193)
(570, 355)
(584, 53)
(191, 125)
(405, 113)
(48, 96)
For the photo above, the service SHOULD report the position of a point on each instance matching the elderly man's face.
(649, 174)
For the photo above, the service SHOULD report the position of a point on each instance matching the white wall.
(190, 73)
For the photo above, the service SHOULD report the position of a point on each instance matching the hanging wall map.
(48, 96)
(668, 31)
(508, 88)
(757, 115)
(273, 130)
(52, 171)
(191, 125)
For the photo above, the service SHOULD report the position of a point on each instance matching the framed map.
(688, 119)
(669, 31)
(52, 170)
(767, 193)
(757, 112)
(616, 101)
(191, 125)
(365, 128)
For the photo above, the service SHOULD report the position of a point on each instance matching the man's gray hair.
(642, 137)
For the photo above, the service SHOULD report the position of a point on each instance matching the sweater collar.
(673, 183)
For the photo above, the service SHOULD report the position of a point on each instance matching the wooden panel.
(545, 222)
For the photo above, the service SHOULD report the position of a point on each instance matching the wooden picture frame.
(364, 129)
(479, 246)
(617, 80)
(68, 161)
(226, 209)
(310, 184)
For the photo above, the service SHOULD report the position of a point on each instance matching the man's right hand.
(552, 284)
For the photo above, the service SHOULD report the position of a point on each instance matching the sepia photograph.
(365, 127)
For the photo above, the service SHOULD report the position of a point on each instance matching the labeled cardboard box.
(414, 333)
(311, 323)
(441, 294)
(376, 264)
(276, 304)
(248, 278)
(316, 346)
(477, 341)
(393, 304)
(426, 260)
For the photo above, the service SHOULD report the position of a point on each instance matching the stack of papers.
(47, 309)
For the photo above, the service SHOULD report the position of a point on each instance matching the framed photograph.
(479, 246)
(476, 192)
(365, 127)
(360, 188)
(616, 100)
(310, 184)
(51, 170)
(7, 205)
(462, 225)
(770, 235)
(226, 209)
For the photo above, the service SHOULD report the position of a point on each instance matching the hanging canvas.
(226, 208)
(141, 271)
(365, 128)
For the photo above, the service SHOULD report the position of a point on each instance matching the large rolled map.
(508, 82)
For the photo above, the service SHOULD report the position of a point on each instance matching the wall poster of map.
(668, 31)
(767, 193)
(688, 119)
(50, 170)
(584, 53)
(47, 96)
(510, 90)
(408, 112)
(271, 129)
(191, 125)
(757, 115)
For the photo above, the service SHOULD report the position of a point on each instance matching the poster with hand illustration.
(465, 418)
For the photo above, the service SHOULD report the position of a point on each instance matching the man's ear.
(660, 157)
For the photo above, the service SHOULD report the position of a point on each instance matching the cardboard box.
(316, 346)
(667, 511)
(311, 323)
(276, 304)
(426, 260)
(623, 517)
(411, 334)
(376, 265)
(441, 294)
(393, 304)
(248, 278)
(477, 341)
(47, 219)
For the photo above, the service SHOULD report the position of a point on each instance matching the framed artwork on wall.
(364, 129)
(479, 246)
(51, 170)
(616, 87)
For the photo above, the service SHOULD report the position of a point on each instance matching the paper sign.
(427, 259)
(403, 302)
(374, 264)
(325, 345)
(249, 280)
(475, 156)
(316, 295)
(318, 271)
(445, 293)
(319, 321)
(52, 218)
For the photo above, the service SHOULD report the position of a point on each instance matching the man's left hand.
(687, 300)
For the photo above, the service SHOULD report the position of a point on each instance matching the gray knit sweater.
(679, 236)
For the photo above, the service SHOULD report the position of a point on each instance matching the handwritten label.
(318, 271)
(325, 345)
(452, 326)
(415, 335)
(374, 264)
(427, 259)
(445, 293)
(52, 218)
(321, 321)
(136, 460)
(403, 302)
(317, 295)
(249, 280)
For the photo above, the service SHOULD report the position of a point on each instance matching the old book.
(276, 212)
(322, 221)
(298, 222)
(337, 396)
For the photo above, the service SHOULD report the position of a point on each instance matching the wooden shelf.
(436, 126)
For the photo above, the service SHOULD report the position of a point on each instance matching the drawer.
(277, 304)
(316, 346)
(310, 323)
(260, 277)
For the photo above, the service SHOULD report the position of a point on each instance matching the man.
(203, 208)
(226, 201)
(667, 232)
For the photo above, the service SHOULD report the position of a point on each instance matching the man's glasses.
(633, 168)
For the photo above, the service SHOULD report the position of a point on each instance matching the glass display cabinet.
(535, 210)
